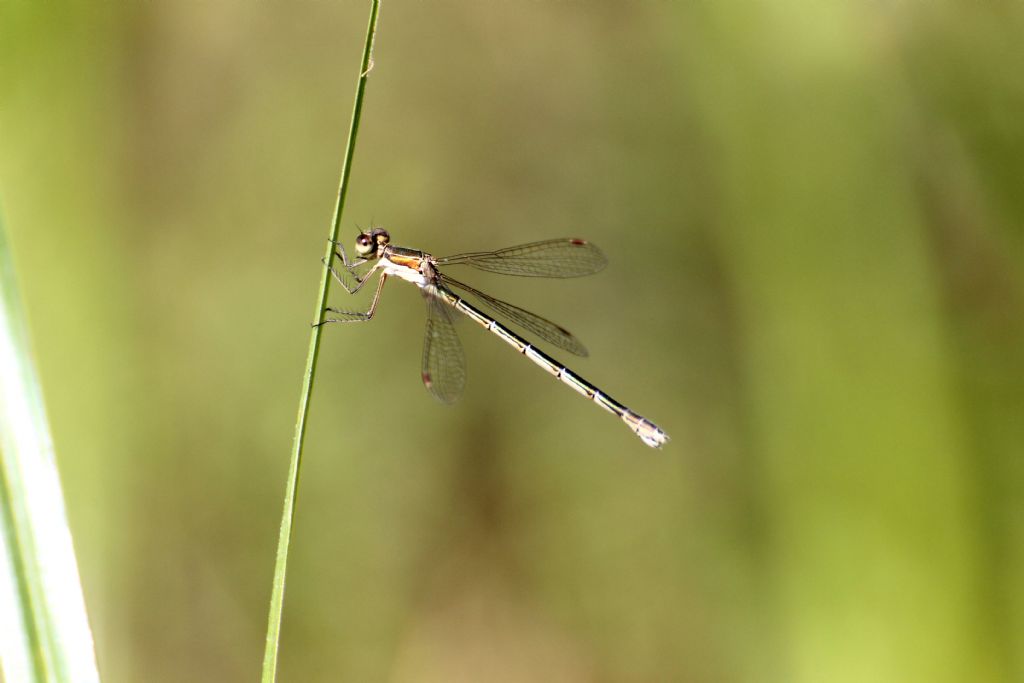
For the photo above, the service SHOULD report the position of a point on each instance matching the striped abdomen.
(648, 432)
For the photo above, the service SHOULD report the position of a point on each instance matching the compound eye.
(364, 245)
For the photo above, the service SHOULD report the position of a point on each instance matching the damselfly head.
(370, 242)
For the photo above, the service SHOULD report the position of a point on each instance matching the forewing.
(444, 364)
(542, 327)
(565, 257)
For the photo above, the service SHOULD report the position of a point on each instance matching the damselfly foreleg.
(349, 269)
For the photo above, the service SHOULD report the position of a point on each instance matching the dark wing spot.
(577, 242)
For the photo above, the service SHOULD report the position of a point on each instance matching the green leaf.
(45, 629)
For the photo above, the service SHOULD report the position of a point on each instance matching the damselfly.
(444, 364)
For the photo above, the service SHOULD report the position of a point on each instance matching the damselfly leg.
(357, 316)
(348, 270)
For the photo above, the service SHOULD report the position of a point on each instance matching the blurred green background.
(813, 215)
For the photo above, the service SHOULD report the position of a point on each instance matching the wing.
(542, 327)
(566, 257)
(444, 364)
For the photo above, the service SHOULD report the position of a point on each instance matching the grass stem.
(270, 656)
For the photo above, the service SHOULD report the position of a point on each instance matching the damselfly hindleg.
(357, 316)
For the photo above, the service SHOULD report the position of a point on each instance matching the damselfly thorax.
(444, 365)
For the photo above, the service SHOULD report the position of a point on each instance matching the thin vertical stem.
(291, 492)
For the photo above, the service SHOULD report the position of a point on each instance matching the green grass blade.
(270, 655)
(45, 631)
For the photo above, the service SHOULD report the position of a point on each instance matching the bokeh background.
(813, 214)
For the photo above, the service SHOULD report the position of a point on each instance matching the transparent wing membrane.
(444, 363)
(551, 258)
(542, 327)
